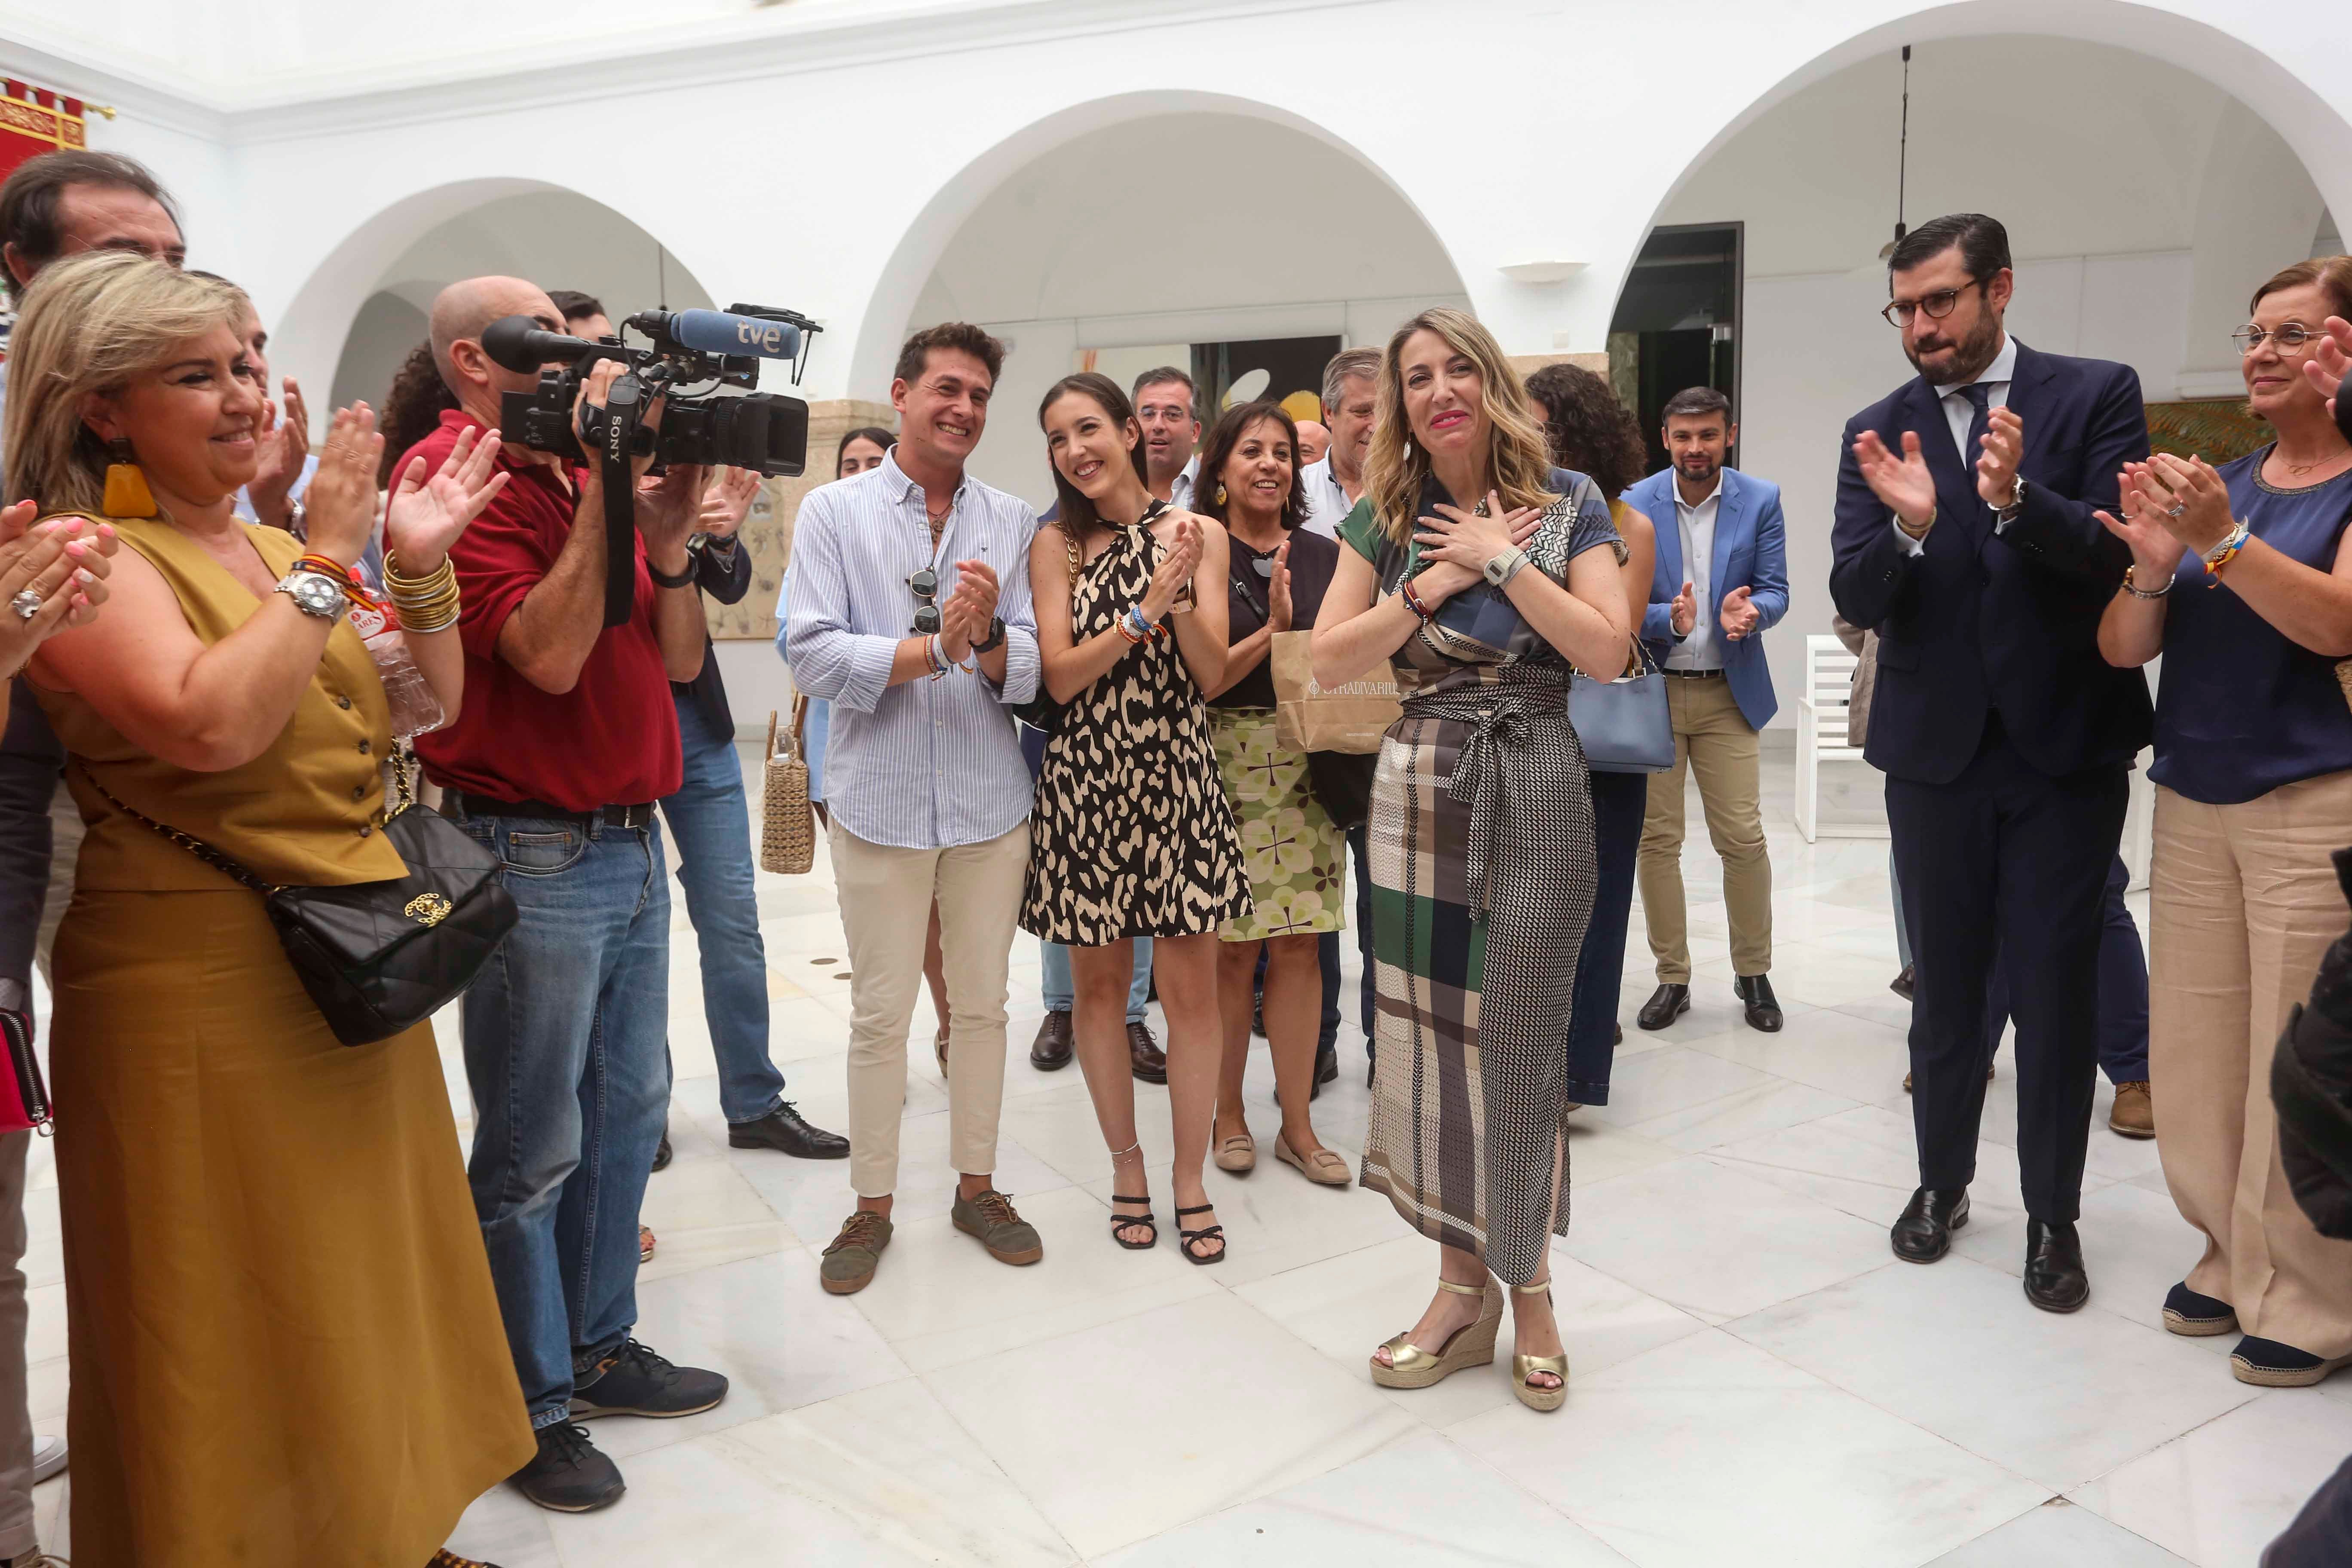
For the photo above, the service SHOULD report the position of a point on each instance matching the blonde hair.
(91, 324)
(1518, 455)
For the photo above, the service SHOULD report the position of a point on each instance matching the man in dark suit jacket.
(1965, 538)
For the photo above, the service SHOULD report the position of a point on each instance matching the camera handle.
(611, 432)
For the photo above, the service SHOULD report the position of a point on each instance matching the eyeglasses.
(925, 585)
(1938, 305)
(2288, 340)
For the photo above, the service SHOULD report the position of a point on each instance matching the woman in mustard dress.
(285, 1348)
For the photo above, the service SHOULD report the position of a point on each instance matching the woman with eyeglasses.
(1292, 850)
(1131, 836)
(1481, 576)
(2242, 578)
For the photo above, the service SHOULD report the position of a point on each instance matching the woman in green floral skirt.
(1291, 850)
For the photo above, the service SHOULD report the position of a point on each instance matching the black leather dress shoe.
(1667, 1003)
(2054, 1278)
(1144, 1057)
(1924, 1234)
(661, 1154)
(1763, 1007)
(1327, 1063)
(1905, 982)
(783, 1131)
(1050, 1051)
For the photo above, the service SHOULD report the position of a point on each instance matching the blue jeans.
(564, 1055)
(1620, 800)
(712, 827)
(1060, 992)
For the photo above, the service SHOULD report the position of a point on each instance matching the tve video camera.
(691, 357)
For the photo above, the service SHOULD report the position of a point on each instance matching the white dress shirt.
(1327, 505)
(924, 764)
(1959, 413)
(1702, 649)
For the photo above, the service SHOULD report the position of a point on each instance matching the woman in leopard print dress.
(1131, 836)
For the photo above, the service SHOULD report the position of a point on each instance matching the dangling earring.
(1221, 493)
(127, 494)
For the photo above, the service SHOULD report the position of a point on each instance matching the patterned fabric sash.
(1520, 744)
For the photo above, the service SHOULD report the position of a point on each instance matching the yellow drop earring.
(127, 494)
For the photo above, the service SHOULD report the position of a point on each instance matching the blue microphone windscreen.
(722, 333)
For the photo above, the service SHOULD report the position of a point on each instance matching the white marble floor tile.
(2218, 1494)
(1717, 1242)
(1827, 1048)
(1743, 1113)
(705, 1214)
(813, 1196)
(1345, 1306)
(1861, 1162)
(1274, 1217)
(767, 1323)
(1673, 1079)
(939, 1299)
(1126, 1430)
(506, 1528)
(1708, 1452)
(1598, 1152)
(1956, 1348)
(1422, 1503)
(2059, 1534)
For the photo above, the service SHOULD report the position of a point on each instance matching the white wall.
(2142, 204)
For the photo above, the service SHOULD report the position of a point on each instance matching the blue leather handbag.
(1622, 723)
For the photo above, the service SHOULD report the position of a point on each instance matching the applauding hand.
(1902, 485)
(423, 516)
(2331, 359)
(1739, 617)
(2004, 449)
(62, 563)
(1683, 614)
(1177, 564)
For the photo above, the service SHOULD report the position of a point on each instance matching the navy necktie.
(1979, 396)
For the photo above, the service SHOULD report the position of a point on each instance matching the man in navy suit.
(1965, 537)
(1719, 535)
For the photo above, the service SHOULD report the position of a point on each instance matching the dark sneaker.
(2266, 1364)
(848, 1266)
(634, 1380)
(1008, 1238)
(569, 1474)
(2198, 1316)
(661, 1151)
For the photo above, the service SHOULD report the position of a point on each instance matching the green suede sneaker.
(849, 1264)
(1008, 1238)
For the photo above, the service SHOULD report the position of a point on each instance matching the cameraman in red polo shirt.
(567, 737)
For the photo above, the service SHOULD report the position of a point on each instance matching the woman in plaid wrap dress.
(1481, 831)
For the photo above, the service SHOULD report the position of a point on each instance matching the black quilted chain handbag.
(381, 957)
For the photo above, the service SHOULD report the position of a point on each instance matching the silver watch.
(2016, 500)
(1506, 566)
(314, 593)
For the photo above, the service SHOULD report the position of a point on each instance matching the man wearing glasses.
(910, 614)
(1965, 538)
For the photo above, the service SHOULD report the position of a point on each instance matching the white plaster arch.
(883, 323)
(317, 320)
(2318, 132)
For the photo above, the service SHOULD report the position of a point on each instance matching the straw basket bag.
(787, 827)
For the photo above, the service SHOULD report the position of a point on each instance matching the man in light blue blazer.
(1722, 580)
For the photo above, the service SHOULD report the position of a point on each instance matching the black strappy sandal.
(1119, 1221)
(1207, 1233)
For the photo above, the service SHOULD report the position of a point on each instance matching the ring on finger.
(2176, 509)
(27, 604)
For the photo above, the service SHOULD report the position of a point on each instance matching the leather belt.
(611, 815)
(1692, 674)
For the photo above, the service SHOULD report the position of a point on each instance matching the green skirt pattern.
(1292, 852)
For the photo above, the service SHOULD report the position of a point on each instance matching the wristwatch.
(664, 580)
(314, 593)
(1506, 566)
(995, 638)
(2016, 500)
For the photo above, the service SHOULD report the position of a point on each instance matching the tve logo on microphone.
(760, 337)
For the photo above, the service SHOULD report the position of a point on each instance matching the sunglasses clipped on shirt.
(925, 585)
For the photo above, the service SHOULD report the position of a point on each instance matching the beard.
(1967, 360)
(1697, 470)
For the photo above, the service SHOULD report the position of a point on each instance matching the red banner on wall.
(34, 120)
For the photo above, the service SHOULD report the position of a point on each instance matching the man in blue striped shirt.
(910, 614)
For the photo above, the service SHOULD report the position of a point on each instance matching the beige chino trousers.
(2242, 903)
(1713, 740)
(886, 896)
